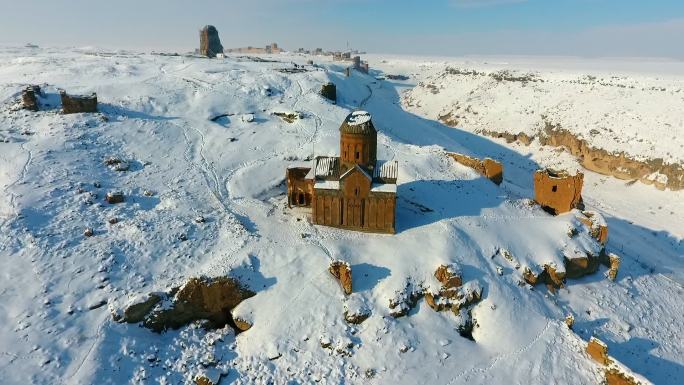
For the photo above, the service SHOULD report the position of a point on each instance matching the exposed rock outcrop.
(452, 294)
(210, 44)
(489, 168)
(356, 317)
(449, 276)
(550, 275)
(557, 191)
(406, 299)
(74, 104)
(620, 165)
(342, 272)
(509, 137)
(199, 299)
(455, 298)
(580, 266)
(570, 321)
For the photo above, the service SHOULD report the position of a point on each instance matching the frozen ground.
(621, 106)
(156, 113)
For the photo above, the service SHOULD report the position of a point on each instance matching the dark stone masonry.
(210, 44)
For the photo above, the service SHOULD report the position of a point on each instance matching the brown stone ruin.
(210, 44)
(598, 351)
(452, 294)
(210, 299)
(329, 91)
(597, 225)
(299, 188)
(74, 104)
(487, 167)
(557, 191)
(28, 97)
(343, 274)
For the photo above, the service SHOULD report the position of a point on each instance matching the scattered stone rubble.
(343, 274)
(557, 191)
(452, 295)
(406, 299)
(355, 311)
(289, 117)
(116, 164)
(487, 167)
(114, 197)
(210, 299)
(574, 266)
(74, 104)
(615, 373)
(597, 224)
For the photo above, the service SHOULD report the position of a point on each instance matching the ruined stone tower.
(358, 142)
(210, 44)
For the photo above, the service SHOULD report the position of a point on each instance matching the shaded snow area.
(204, 194)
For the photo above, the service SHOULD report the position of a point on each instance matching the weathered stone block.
(489, 168)
(329, 91)
(28, 98)
(557, 191)
(210, 44)
(73, 104)
(114, 197)
(598, 351)
(342, 272)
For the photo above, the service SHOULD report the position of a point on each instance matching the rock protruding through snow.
(203, 298)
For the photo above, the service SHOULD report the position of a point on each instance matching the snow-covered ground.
(58, 286)
(631, 107)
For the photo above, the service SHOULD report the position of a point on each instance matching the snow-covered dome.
(358, 122)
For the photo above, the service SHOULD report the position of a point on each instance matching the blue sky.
(429, 27)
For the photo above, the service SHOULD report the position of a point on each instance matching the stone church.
(354, 191)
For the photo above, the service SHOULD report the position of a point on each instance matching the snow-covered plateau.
(199, 147)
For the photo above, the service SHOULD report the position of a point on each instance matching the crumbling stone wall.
(342, 272)
(597, 224)
(557, 191)
(28, 98)
(489, 168)
(73, 104)
(329, 91)
(210, 44)
(299, 189)
(598, 351)
(615, 372)
(199, 299)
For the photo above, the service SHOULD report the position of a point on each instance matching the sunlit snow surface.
(230, 170)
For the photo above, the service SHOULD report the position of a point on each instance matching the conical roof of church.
(358, 122)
